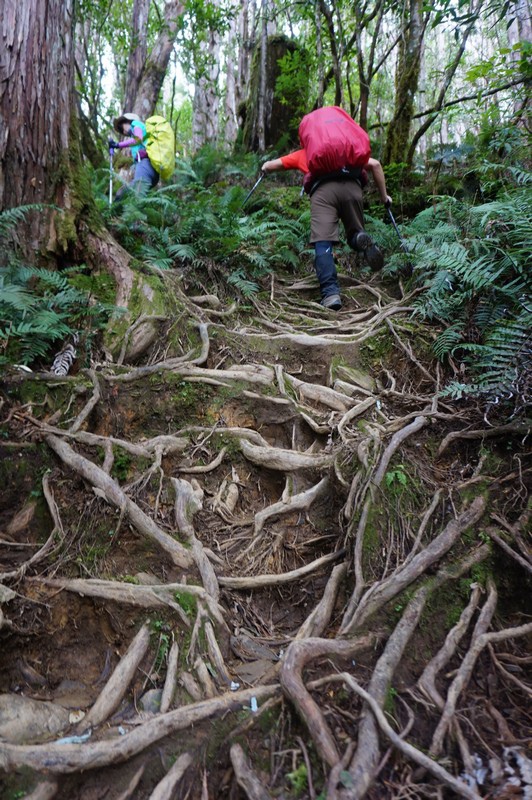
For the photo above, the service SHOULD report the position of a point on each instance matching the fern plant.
(38, 308)
(473, 265)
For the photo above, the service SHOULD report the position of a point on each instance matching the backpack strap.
(357, 174)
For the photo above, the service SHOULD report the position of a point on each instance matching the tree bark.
(156, 64)
(36, 106)
(206, 101)
(138, 51)
(406, 84)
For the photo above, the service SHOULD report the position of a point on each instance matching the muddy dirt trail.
(266, 559)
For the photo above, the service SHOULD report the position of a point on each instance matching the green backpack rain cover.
(160, 146)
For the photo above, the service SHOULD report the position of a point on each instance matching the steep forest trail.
(267, 561)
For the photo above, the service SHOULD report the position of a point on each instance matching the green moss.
(121, 464)
(376, 348)
(99, 285)
(389, 702)
(187, 601)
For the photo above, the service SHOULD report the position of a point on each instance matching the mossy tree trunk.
(406, 83)
(40, 154)
(281, 117)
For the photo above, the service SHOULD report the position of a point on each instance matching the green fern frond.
(244, 285)
(11, 217)
(447, 341)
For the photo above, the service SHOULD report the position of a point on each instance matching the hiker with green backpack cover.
(152, 149)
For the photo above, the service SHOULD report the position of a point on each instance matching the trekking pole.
(398, 232)
(111, 154)
(251, 192)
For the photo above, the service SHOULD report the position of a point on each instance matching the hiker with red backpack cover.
(335, 158)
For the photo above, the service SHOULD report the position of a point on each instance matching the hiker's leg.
(145, 178)
(326, 269)
(351, 210)
(352, 216)
(323, 235)
(120, 196)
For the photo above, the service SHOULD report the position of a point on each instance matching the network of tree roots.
(267, 560)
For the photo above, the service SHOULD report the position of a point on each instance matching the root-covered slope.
(269, 561)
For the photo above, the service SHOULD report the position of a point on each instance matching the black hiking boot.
(332, 301)
(363, 242)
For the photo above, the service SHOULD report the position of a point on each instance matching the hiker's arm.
(272, 166)
(376, 170)
(132, 140)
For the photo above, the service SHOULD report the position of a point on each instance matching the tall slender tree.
(414, 23)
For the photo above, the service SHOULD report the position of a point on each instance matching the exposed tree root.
(366, 756)
(48, 546)
(144, 596)
(258, 581)
(117, 685)
(300, 410)
(67, 758)
(427, 681)
(438, 772)
(165, 789)
(246, 777)
(484, 433)
(114, 494)
(382, 592)
(297, 655)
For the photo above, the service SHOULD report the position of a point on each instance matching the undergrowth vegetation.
(473, 265)
(41, 307)
(469, 265)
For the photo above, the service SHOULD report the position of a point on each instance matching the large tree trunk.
(279, 114)
(230, 103)
(406, 84)
(40, 157)
(36, 102)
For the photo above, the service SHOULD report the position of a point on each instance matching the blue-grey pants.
(146, 177)
(325, 268)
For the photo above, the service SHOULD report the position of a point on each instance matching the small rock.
(147, 578)
(23, 720)
(151, 701)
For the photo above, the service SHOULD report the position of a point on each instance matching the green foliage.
(396, 476)
(298, 779)
(292, 84)
(39, 307)
(199, 220)
(472, 263)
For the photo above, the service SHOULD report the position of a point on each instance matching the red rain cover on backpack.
(332, 140)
